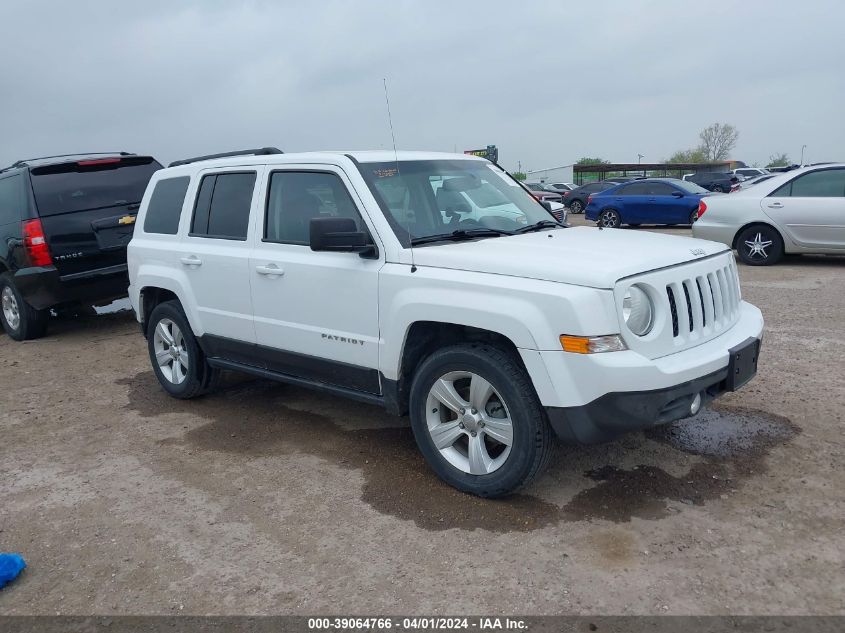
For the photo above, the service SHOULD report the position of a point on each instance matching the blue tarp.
(10, 566)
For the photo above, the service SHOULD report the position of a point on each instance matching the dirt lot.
(265, 498)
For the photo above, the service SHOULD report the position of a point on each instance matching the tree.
(519, 175)
(688, 156)
(778, 160)
(592, 161)
(718, 140)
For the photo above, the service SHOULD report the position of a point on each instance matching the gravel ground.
(265, 498)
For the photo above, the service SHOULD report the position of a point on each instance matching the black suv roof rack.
(24, 162)
(261, 151)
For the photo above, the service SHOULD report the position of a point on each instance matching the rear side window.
(11, 200)
(223, 203)
(295, 198)
(828, 183)
(165, 207)
(91, 184)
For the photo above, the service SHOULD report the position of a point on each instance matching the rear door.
(12, 205)
(215, 257)
(811, 208)
(88, 208)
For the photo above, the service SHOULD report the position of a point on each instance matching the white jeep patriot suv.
(435, 285)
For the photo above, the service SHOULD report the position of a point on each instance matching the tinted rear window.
(94, 184)
(223, 203)
(165, 207)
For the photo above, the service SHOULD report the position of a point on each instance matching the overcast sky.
(546, 81)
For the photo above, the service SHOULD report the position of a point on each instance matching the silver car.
(799, 211)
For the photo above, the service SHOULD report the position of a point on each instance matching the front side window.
(689, 187)
(660, 189)
(295, 198)
(222, 207)
(11, 200)
(165, 208)
(428, 198)
(828, 183)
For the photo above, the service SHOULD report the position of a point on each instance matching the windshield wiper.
(460, 234)
(542, 224)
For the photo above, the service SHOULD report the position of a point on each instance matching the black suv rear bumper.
(43, 287)
(615, 414)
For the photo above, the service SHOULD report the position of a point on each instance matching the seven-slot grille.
(711, 299)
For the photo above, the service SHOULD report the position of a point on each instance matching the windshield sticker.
(503, 176)
(385, 173)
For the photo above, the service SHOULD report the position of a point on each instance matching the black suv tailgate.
(88, 207)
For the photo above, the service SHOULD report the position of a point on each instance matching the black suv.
(720, 182)
(65, 222)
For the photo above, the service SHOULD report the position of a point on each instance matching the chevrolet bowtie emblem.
(127, 219)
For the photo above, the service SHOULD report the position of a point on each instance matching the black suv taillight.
(35, 243)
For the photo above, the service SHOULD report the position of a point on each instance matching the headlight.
(638, 311)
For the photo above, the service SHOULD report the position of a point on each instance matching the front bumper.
(595, 397)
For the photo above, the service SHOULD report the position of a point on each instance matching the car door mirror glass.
(338, 235)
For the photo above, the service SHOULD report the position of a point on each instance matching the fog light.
(696, 404)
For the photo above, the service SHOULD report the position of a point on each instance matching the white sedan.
(799, 211)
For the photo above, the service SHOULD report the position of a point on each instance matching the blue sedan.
(646, 201)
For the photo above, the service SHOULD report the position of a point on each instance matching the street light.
(803, 147)
(640, 158)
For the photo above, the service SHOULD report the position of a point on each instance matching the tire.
(718, 189)
(576, 206)
(759, 245)
(21, 321)
(491, 377)
(693, 217)
(609, 219)
(184, 372)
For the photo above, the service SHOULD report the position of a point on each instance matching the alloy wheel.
(609, 219)
(11, 311)
(171, 351)
(756, 247)
(469, 422)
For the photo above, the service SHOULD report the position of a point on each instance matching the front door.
(811, 208)
(316, 313)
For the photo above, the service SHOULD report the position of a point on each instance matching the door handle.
(191, 260)
(776, 205)
(270, 270)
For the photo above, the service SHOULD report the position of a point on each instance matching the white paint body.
(530, 288)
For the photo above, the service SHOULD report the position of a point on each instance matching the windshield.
(688, 186)
(426, 198)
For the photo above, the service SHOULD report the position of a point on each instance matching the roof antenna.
(396, 159)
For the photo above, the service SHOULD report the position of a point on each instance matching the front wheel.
(477, 420)
(178, 361)
(610, 219)
(759, 245)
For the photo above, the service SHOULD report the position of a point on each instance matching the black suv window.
(165, 206)
(222, 207)
(11, 200)
(294, 198)
(91, 184)
(593, 187)
(827, 183)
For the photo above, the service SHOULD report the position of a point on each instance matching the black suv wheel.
(477, 420)
(21, 321)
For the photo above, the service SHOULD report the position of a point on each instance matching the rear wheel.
(576, 206)
(718, 189)
(759, 245)
(477, 420)
(21, 321)
(610, 219)
(178, 361)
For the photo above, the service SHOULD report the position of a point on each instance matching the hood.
(582, 256)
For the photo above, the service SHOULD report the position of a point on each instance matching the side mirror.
(339, 235)
(678, 194)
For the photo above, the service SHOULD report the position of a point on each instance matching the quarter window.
(295, 198)
(827, 183)
(165, 206)
(222, 207)
(11, 200)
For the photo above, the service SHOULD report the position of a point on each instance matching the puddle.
(252, 418)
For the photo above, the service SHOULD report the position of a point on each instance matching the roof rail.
(262, 151)
(23, 163)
